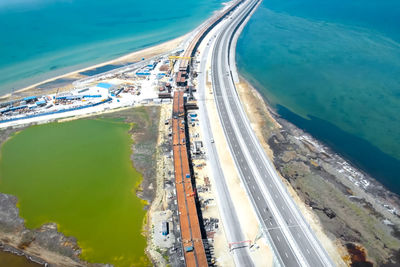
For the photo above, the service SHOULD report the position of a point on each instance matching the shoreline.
(65, 250)
(147, 195)
(369, 183)
(20, 253)
(310, 168)
(351, 161)
(152, 50)
(147, 52)
(275, 132)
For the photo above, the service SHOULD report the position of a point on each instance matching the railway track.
(193, 247)
(190, 51)
(192, 241)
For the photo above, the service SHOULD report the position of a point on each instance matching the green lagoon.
(79, 175)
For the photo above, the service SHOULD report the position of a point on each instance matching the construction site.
(220, 199)
(143, 83)
(162, 79)
(192, 226)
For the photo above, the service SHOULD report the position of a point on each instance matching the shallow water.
(333, 63)
(79, 175)
(42, 38)
(11, 260)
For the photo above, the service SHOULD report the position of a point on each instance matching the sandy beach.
(135, 56)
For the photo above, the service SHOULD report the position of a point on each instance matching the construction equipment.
(188, 249)
(173, 59)
(258, 236)
(233, 244)
(55, 97)
(191, 194)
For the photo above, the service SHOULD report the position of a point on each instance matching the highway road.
(292, 240)
(229, 218)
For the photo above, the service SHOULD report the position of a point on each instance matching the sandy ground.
(132, 57)
(158, 203)
(262, 256)
(261, 253)
(260, 117)
(202, 172)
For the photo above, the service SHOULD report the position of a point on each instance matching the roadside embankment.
(353, 215)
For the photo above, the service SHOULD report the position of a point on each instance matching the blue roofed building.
(30, 99)
(104, 85)
(41, 103)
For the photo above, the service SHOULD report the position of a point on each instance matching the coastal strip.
(64, 82)
(355, 215)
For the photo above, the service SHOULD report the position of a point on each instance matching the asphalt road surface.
(230, 220)
(292, 240)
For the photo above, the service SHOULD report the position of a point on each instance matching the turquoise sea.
(333, 69)
(44, 38)
(330, 67)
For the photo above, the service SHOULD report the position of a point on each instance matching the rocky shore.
(44, 245)
(144, 134)
(355, 211)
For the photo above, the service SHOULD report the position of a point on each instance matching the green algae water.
(79, 175)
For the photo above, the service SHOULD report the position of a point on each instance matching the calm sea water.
(44, 38)
(333, 69)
